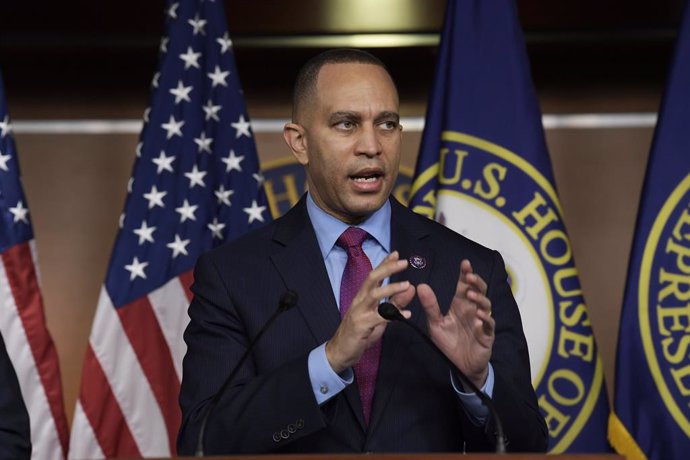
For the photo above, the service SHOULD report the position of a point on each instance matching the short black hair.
(307, 76)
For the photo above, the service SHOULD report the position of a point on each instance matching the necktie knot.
(351, 238)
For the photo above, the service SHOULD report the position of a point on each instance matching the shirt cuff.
(325, 383)
(473, 406)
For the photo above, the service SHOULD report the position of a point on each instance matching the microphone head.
(390, 312)
(287, 300)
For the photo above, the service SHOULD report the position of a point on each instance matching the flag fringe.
(621, 440)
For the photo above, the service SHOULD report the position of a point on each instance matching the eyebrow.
(388, 116)
(344, 115)
(354, 116)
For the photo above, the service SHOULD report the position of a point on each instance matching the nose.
(368, 142)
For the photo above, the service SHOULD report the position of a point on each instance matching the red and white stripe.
(31, 350)
(128, 402)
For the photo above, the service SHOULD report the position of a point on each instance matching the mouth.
(365, 179)
(368, 181)
(367, 176)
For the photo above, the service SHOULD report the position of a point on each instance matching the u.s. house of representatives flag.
(652, 396)
(484, 171)
(22, 321)
(196, 184)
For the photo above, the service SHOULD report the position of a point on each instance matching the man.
(316, 382)
(15, 432)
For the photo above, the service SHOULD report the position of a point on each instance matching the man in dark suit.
(15, 431)
(298, 392)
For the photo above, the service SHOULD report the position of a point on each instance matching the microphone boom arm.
(287, 301)
(390, 312)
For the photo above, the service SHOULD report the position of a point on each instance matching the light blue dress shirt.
(326, 383)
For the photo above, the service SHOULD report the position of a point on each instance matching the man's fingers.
(373, 291)
(470, 278)
(485, 324)
(391, 290)
(391, 264)
(402, 299)
(476, 283)
(429, 302)
(480, 300)
(465, 267)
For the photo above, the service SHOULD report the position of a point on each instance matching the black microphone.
(390, 312)
(287, 301)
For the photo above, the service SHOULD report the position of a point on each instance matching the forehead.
(356, 84)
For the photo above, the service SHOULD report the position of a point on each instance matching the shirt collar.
(328, 228)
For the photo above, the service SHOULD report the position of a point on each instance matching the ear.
(295, 137)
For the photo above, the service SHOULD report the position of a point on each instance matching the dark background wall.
(86, 60)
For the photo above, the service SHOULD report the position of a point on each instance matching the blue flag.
(652, 395)
(195, 184)
(484, 171)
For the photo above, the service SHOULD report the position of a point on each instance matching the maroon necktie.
(356, 270)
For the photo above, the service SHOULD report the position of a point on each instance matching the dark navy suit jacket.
(270, 407)
(15, 432)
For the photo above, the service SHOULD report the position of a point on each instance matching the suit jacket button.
(284, 434)
(299, 423)
(276, 437)
(292, 428)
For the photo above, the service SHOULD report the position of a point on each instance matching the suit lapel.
(409, 238)
(300, 255)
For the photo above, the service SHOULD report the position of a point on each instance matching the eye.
(389, 125)
(344, 125)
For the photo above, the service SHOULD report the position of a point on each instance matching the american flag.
(196, 184)
(22, 320)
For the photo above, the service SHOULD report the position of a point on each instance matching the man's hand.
(466, 333)
(362, 325)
